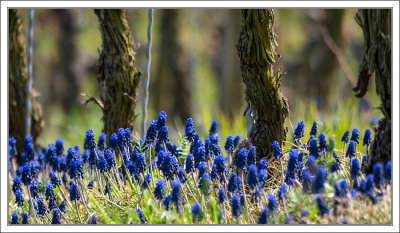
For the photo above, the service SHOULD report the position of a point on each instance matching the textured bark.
(117, 76)
(377, 60)
(173, 69)
(17, 87)
(256, 50)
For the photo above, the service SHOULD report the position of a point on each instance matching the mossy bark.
(268, 107)
(17, 86)
(377, 60)
(117, 76)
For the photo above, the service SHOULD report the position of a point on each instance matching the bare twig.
(92, 98)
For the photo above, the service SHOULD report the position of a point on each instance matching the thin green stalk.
(245, 199)
(77, 210)
(65, 197)
(112, 183)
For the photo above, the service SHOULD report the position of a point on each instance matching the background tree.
(268, 107)
(377, 60)
(117, 76)
(172, 74)
(17, 86)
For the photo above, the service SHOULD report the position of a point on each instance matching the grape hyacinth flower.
(314, 130)
(190, 132)
(163, 135)
(159, 191)
(236, 207)
(388, 172)
(367, 138)
(323, 208)
(277, 150)
(341, 189)
(146, 182)
(233, 185)
(181, 175)
(151, 134)
(189, 164)
(25, 218)
(351, 150)
(272, 203)
(241, 160)
(17, 185)
(197, 213)
(221, 196)
(34, 189)
(262, 164)
(345, 139)
(90, 142)
(176, 195)
(113, 144)
(59, 147)
(318, 185)
(56, 217)
(229, 144)
(323, 145)
(101, 143)
(214, 128)
(314, 148)
(141, 216)
(54, 179)
(162, 120)
(355, 171)
(299, 132)
(74, 192)
(292, 166)
(252, 177)
(262, 177)
(282, 193)
(167, 202)
(311, 164)
(236, 141)
(41, 210)
(62, 206)
(205, 184)
(263, 219)
(355, 135)
(378, 175)
(202, 169)
(14, 219)
(19, 198)
(94, 220)
(251, 156)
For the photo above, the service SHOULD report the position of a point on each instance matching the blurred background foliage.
(195, 70)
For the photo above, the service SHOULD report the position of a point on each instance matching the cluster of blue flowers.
(235, 183)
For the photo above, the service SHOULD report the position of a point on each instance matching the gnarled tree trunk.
(376, 25)
(269, 108)
(117, 76)
(17, 87)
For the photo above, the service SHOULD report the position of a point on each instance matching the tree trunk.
(117, 76)
(17, 87)
(67, 51)
(376, 25)
(269, 108)
(173, 69)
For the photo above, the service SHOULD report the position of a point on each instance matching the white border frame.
(199, 4)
